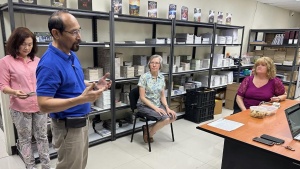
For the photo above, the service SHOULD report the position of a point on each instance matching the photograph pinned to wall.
(172, 11)
(152, 9)
(117, 6)
(85, 4)
(197, 14)
(134, 7)
(211, 16)
(28, 1)
(220, 18)
(228, 18)
(184, 13)
(59, 3)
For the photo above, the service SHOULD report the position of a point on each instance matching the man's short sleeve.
(47, 82)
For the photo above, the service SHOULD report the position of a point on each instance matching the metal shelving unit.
(253, 36)
(11, 8)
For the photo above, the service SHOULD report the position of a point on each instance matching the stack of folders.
(278, 40)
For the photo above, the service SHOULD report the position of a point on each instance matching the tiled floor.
(192, 149)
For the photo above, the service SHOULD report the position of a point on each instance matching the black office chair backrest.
(236, 108)
(133, 98)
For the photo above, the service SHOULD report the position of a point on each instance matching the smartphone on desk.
(263, 141)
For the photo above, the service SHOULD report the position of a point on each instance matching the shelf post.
(112, 74)
(170, 76)
(11, 15)
(241, 48)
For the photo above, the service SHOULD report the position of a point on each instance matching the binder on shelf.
(291, 37)
(286, 38)
(296, 37)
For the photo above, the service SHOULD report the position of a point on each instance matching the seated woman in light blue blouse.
(152, 102)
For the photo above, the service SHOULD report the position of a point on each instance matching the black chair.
(236, 108)
(133, 97)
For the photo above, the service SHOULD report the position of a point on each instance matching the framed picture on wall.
(59, 3)
(85, 4)
(28, 1)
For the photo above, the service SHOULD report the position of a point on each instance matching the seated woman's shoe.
(145, 136)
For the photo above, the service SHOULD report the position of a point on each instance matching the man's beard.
(75, 46)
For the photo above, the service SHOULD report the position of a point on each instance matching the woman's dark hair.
(55, 21)
(17, 38)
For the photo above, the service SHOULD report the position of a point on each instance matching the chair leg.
(133, 129)
(148, 135)
(172, 132)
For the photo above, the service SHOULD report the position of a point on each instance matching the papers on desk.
(225, 124)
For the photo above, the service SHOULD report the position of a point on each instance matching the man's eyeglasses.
(74, 32)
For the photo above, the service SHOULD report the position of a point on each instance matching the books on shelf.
(228, 18)
(28, 1)
(184, 13)
(197, 14)
(117, 6)
(85, 4)
(134, 7)
(59, 3)
(172, 11)
(152, 9)
(211, 16)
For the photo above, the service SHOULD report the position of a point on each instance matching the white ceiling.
(292, 5)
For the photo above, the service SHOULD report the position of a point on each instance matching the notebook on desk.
(293, 117)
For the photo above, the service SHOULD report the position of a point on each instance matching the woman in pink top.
(18, 79)
(262, 86)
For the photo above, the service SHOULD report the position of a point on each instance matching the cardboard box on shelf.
(218, 107)
(292, 90)
(229, 104)
(258, 52)
(269, 53)
(231, 91)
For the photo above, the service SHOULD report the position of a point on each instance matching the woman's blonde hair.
(271, 68)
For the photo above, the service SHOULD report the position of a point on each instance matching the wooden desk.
(240, 152)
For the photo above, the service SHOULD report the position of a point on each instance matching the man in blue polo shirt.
(61, 91)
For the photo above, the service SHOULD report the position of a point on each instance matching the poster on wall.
(152, 9)
(28, 1)
(59, 3)
(117, 6)
(85, 4)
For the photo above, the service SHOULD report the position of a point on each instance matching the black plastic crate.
(199, 115)
(200, 97)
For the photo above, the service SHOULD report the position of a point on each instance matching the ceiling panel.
(292, 5)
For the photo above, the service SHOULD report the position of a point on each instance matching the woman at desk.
(261, 86)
